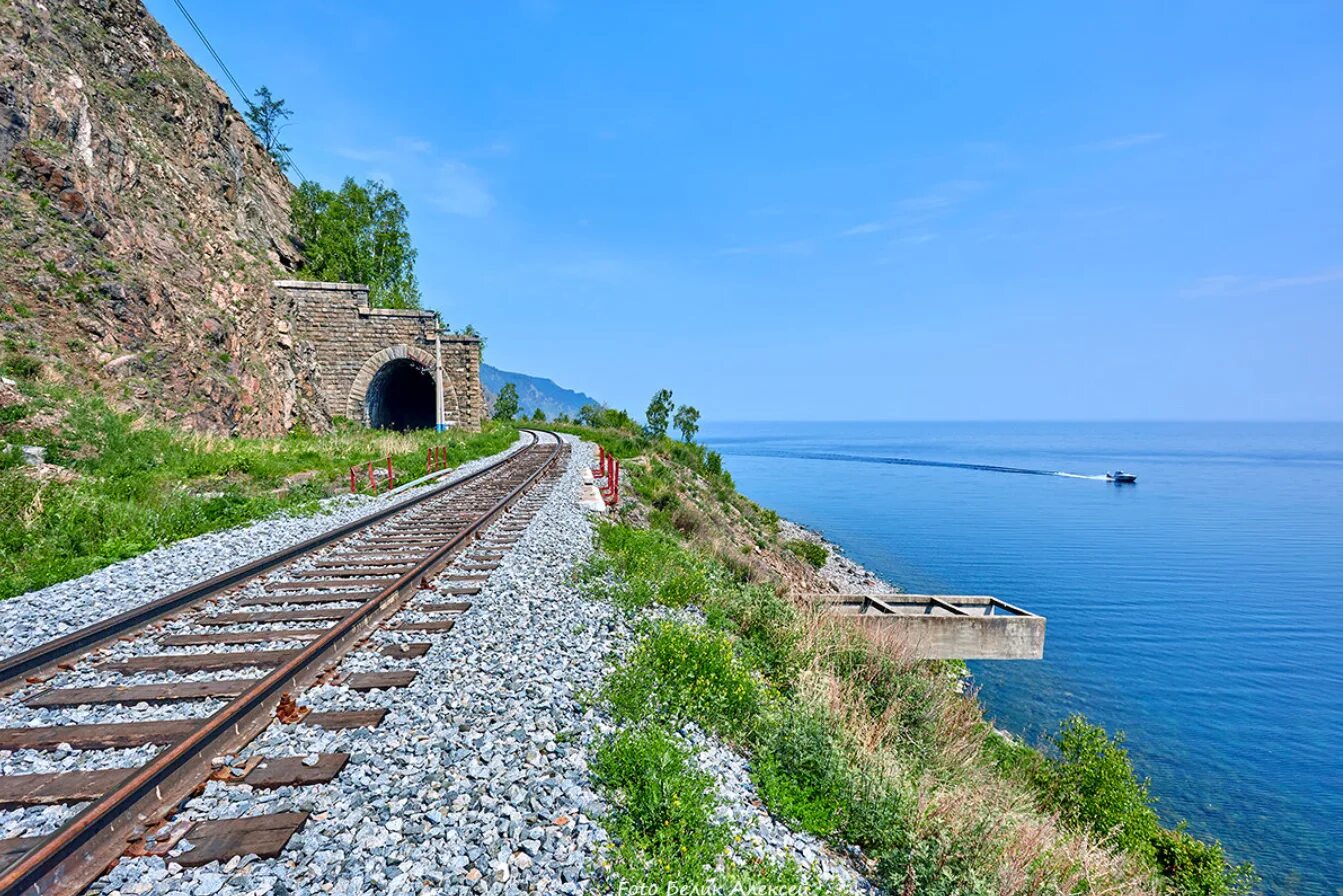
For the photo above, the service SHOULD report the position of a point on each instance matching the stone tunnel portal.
(400, 397)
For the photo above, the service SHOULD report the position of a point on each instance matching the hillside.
(534, 392)
(142, 225)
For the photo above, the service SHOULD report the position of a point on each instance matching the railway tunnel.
(376, 365)
(400, 396)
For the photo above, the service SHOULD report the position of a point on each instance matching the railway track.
(197, 675)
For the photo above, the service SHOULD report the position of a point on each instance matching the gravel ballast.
(477, 779)
(39, 616)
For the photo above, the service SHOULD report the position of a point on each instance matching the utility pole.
(439, 423)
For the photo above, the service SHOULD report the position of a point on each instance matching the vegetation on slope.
(357, 234)
(849, 737)
(128, 486)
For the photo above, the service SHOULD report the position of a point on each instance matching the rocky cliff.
(142, 224)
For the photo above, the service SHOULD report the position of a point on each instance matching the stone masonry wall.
(351, 341)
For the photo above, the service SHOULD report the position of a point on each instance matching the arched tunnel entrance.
(400, 396)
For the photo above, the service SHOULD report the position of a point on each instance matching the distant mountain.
(533, 392)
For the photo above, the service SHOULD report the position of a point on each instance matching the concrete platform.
(591, 499)
(944, 626)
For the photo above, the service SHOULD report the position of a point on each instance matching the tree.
(506, 403)
(659, 410)
(358, 235)
(470, 330)
(687, 422)
(538, 416)
(267, 116)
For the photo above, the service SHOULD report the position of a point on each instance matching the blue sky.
(850, 211)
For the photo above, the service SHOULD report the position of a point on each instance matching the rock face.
(142, 224)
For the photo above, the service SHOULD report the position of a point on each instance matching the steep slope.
(534, 392)
(142, 224)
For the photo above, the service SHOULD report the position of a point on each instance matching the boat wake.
(916, 462)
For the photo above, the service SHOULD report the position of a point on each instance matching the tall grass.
(854, 739)
(140, 486)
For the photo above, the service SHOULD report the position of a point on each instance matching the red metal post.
(391, 481)
(428, 460)
(372, 483)
(353, 487)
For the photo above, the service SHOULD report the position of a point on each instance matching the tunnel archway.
(400, 396)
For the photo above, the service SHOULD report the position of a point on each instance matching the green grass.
(811, 552)
(143, 486)
(685, 673)
(662, 807)
(853, 742)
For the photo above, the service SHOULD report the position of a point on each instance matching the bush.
(685, 673)
(663, 806)
(801, 770)
(811, 552)
(1093, 788)
(1196, 868)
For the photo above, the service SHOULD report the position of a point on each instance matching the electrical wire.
(228, 74)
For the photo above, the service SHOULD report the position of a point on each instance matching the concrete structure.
(377, 365)
(947, 627)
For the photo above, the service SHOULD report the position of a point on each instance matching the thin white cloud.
(459, 189)
(451, 185)
(1125, 141)
(790, 247)
(915, 210)
(1236, 285)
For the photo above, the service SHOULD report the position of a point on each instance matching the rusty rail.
(80, 851)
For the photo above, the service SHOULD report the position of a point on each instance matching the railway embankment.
(632, 698)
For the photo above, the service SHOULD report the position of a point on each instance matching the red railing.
(435, 458)
(372, 479)
(609, 467)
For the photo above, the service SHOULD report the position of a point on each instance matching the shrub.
(663, 806)
(1093, 788)
(22, 367)
(685, 673)
(811, 552)
(1197, 868)
(801, 770)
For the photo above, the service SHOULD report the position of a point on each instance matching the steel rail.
(77, 853)
(42, 658)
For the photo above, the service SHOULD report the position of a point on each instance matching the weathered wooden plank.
(200, 662)
(376, 585)
(464, 590)
(55, 788)
(263, 836)
(13, 848)
(108, 736)
(293, 771)
(371, 681)
(406, 651)
(166, 692)
(121, 735)
(276, 634)
(474, 567)
(327, 597)
(444, 625)
(318, 615)
(452, 606)
(355, 718)
(353, 572)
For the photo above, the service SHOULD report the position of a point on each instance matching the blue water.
(1200, 610)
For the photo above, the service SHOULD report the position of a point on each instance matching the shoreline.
(847, 575)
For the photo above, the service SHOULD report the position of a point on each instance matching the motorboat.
(1119, 476)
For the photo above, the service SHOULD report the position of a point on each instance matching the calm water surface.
(1200, 611)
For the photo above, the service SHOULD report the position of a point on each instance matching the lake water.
(1200, 610)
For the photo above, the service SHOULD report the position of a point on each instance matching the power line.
(228, 74)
